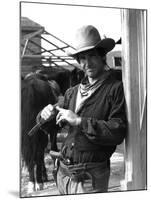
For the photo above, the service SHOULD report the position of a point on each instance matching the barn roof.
(28, 24)
(51, 51)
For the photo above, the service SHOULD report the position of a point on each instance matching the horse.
(36, 93)
(64, 77)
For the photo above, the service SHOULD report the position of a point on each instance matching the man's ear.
(104, 59)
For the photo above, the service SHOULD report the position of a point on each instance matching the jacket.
(103, 125)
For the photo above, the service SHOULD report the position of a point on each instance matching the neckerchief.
(85, 90)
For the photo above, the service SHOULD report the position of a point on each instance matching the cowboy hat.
(88, 37)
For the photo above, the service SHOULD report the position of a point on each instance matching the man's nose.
(88, 61)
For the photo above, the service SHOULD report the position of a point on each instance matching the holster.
(55, 170)
(56, 156)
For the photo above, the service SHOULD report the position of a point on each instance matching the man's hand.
(47, 112)
(68, 116)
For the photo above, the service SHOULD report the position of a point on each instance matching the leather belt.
(72, 169)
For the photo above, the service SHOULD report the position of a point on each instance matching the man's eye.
(92, 56)
(82, 58)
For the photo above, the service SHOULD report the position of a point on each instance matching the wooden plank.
(132, 78)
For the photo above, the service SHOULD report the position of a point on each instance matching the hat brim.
(107, 44)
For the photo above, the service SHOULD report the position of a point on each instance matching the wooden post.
(134, 79)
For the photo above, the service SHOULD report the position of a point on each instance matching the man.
(95, 118)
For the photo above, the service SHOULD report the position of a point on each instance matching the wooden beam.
(135, 87)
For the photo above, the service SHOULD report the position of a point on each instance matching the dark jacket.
(103, 125)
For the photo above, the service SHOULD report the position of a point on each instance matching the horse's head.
(36, 93)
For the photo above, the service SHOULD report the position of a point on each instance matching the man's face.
(91, 62)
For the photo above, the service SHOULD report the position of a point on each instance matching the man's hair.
(102, 53)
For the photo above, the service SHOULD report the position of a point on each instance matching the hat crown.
(87, 36)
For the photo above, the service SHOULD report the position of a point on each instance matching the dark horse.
(36, 93)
